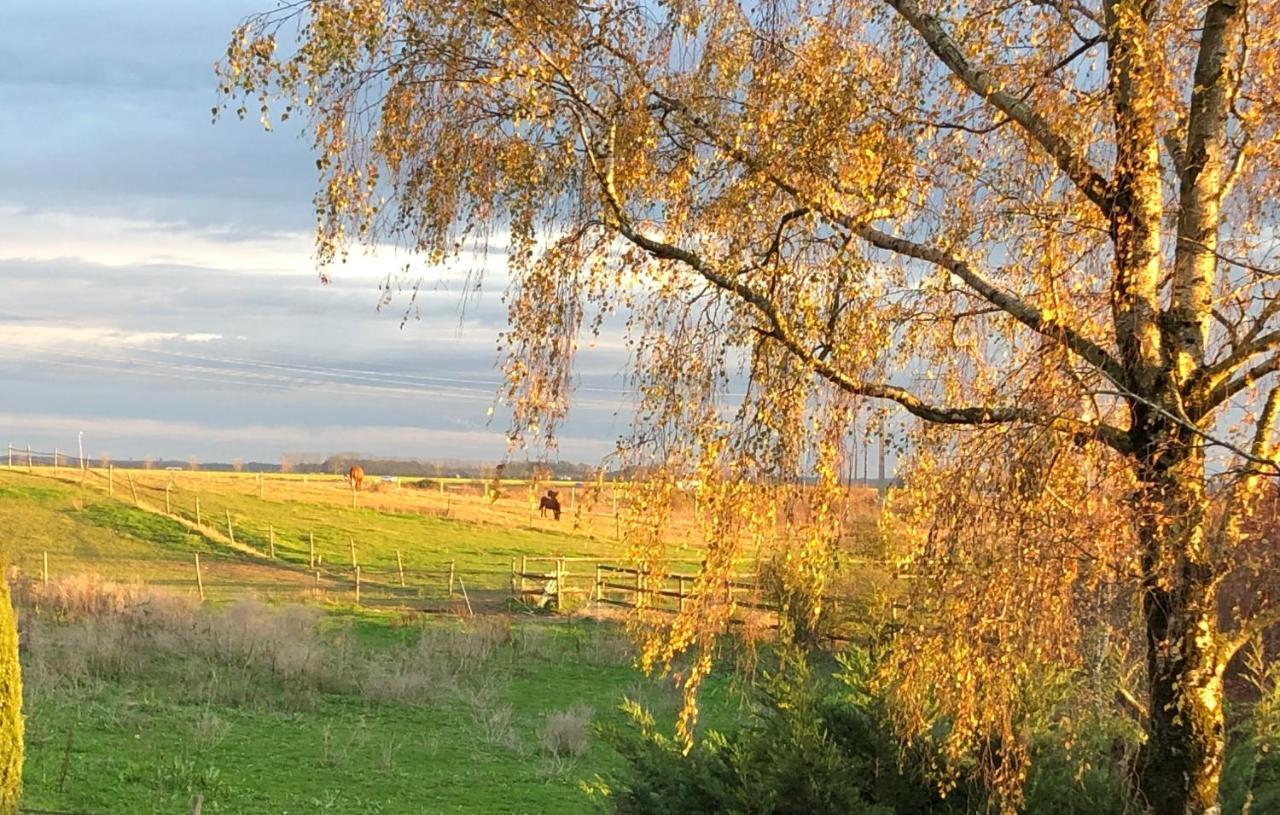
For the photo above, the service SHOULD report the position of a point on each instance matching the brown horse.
(550, 501)
(356, 476)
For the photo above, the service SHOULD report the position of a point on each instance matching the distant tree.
(1042, 230)
(11, 722)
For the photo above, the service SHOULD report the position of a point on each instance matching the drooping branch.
(1020, 310)
(779, 329)
(1069, 158)
(1017, 308)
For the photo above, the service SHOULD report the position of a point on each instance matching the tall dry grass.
(81, 630)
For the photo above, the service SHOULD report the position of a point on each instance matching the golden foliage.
(1041, 231)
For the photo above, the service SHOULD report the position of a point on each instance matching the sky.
(157, 287)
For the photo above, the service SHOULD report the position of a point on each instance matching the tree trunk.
(1180, 765)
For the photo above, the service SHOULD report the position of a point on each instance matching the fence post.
(111, 481)
(29, 471)
(231, 532)
(560, 574)
(354, 564)
(639, 588)
(311, 536)
(357, 585)
(133, 489)
(463, 586)
(167, 505)
(452, 572)
(259, 486)
(681, 578)
(400, 567)
(55, 461)
(199, 579)
(599, 593)
(524, 567)
(197, 510)
(442, 486)
(513, 578)
(271, 540)
(45, 574)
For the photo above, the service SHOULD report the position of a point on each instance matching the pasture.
(278, 693)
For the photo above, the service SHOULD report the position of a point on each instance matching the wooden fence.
(614, 584)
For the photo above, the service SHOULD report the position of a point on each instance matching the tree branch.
(1229, 388)
(1068, 157)
(1018, 309)
(1211, 388)
(781, 331)
(1240, 638)
(1202, 164)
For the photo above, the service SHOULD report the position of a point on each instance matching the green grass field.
(83, 529)
(148, 737)
(149, 698)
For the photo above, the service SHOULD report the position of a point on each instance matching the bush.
(1251, 778)
(803, 751)
(823, 744)
(10, 707)
(566, 733)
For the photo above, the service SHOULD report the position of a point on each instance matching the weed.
(566, 733)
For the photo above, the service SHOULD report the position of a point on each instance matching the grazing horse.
(356, 476)
(550, 501)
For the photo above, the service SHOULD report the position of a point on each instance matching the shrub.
(801, 752)
(11, 745)
(823, 744)
(1251, 778)
(566, 733)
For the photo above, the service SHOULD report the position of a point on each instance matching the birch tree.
(1042, 229)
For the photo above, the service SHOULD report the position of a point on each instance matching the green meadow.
(276, 694)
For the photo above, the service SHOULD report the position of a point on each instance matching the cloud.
(181, 439)
(158, 270)
(120, 92)
(224, 348)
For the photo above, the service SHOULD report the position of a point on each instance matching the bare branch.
(1229, 388)
(1211, 386)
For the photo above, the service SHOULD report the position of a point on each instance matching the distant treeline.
(342, 462)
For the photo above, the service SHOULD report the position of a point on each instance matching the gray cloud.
(108, 107)
(227, 350)
(107, 153)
